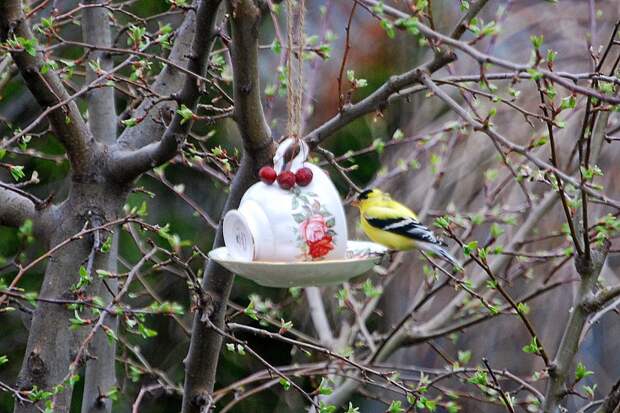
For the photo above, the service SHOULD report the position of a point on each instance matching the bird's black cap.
(364, 195)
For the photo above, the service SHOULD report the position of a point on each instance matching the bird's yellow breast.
(388, 239)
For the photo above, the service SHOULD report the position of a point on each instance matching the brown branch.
(612, 401)
(555, 163)
(47, 89)
(204, 351)
(127, 165)
(270, 367)
(503, 141)
(504, 396)
(347, 46)
(528, 324)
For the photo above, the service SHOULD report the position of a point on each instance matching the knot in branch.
(584, 265)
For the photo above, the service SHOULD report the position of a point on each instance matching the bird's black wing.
(407, 227)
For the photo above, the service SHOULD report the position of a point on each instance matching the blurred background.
(438, 168)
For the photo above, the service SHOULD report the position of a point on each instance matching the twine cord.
(294, 65)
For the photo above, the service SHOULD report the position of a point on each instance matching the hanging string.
(294, 65)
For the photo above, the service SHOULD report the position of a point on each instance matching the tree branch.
(100, 372)
(101, 106)
(612, 401)
(127, 165)
(389, 89)
(15, 208)
(589, 270)
(483, 58)
(379, 98)
(319, 316)
(47, 88)
(205, 345)
(503, 141)
(169, 81)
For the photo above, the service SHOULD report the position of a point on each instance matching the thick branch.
(589, 270)
(100, 373)
(603, 297)
(612, 401)
(47, 88)
(128, 165)
(15, 208)
(377, 99)
(169, 81)
(101, 106)
(50, 341)
(204, 351)
(319, 316)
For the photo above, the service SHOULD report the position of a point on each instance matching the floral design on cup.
(315, 234)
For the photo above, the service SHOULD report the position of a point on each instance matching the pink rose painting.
(315, 233)
(314, 230)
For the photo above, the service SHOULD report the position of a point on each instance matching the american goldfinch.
(395, 226)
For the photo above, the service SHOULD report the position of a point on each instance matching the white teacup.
(301, 224)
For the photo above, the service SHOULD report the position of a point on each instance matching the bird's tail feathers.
(441, 251)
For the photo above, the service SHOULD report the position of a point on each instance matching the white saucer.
(361, 257)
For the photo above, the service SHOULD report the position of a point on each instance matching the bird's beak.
(355, 203)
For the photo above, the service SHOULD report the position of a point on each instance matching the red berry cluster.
(286, 179)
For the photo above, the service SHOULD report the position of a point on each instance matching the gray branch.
(101, 105)
(129, 164)
(205, 345)
(48, 90)
(589, 270)
(169, 81)
(100, 372)
(15, 208)
(589, 267)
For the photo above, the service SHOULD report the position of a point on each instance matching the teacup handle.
(279, 159)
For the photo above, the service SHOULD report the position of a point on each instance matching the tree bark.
(99, 187)
(15, 208)
(100, 372)
(52, 345)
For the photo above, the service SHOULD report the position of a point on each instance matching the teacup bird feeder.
(290, 229)
(290, 232)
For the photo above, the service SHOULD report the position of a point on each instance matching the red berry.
(303, 176)
(267, 174)
(286, 180)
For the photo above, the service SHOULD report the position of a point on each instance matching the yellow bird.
(395, 226)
